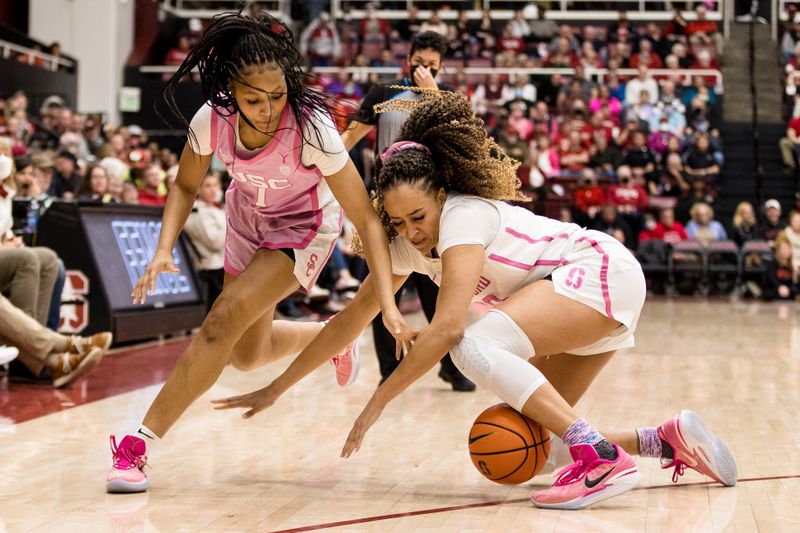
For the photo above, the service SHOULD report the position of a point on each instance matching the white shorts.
(601, 273)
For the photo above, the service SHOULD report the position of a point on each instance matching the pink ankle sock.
(649, 442)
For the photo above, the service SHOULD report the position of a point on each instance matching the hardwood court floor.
(738, 364)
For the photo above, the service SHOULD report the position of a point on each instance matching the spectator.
(589, 197)
(605, 158)
(519, 120)
(698, 193)
(773, 225)
(643, 111)
(319, 42)
(508, 43)
(703, 228)
(115, 188)
(606, 102)
(639, 155)
(573, 154)
(545, 162)
(130, 194)
(562, 55)
(704, 31)
(66, 178)
(745, 225)
(699, 90)
(543, 29)
(372, 28)
(206, 229)
(642, 82)
(682, 54)
(622, 23)
(63, 358)
(410, 26)
(611, 223)
(629, 199)
(27, 274)
(95, 186)
(782, 277)
(512, 144)
(519, 26)
(43, 170)
(659, 140)
(589, 58)
(667, 229)
(790, 145)
(25, 179)
(789, 41)
(671, 179)
(177, 54)
(522, 89)
(435, 24)
(700, 161)
(149, 189)
(646, 56)
(791, 233)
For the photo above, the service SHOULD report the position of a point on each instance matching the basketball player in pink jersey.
(564, 300)
(289, 167)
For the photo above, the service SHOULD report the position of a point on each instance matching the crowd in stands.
(637, 155)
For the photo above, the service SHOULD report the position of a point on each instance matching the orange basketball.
(506, 446)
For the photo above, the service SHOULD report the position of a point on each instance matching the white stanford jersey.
(521, 248)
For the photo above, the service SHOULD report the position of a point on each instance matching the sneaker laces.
(124, 458)
(680, 468)
(573, 472)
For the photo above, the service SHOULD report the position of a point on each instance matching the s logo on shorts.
(575, 278)
(312, 264)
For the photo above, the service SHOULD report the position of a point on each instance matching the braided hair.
(231, 45)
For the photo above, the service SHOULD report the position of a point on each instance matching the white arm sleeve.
(459, 224)
(325, 149)
(201, 127)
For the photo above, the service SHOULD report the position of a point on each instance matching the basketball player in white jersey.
(564, 299)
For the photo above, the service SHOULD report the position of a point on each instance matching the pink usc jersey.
(274, 201)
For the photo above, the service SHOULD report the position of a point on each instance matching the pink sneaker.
(693, 445)
(588, 480)
(347, 364)
(127, 474)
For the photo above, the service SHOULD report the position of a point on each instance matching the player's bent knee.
(219, 323)
(245, 362)
(493, 353)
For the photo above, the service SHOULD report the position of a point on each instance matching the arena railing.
(194, 8)
(597, 74)
(51, 62)
(647, 10)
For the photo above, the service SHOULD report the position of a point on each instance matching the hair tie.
(401, 146)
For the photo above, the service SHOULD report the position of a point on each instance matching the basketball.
(506, 446)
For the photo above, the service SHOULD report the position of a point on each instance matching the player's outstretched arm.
(181, 197)
(351, 194)
(342, 329)
(461, 269)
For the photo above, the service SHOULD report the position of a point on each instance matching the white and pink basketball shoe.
(129, 459)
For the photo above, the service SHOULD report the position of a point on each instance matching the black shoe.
(459, 382)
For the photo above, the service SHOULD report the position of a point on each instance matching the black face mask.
(414, 68)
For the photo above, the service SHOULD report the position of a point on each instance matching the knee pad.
(494, 354)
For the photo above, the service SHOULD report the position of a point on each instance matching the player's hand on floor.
(254, 402)
(162, 262)
(362, 424)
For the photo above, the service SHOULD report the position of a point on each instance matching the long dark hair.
(231, 43)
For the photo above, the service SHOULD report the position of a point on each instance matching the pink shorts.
(312, 248)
